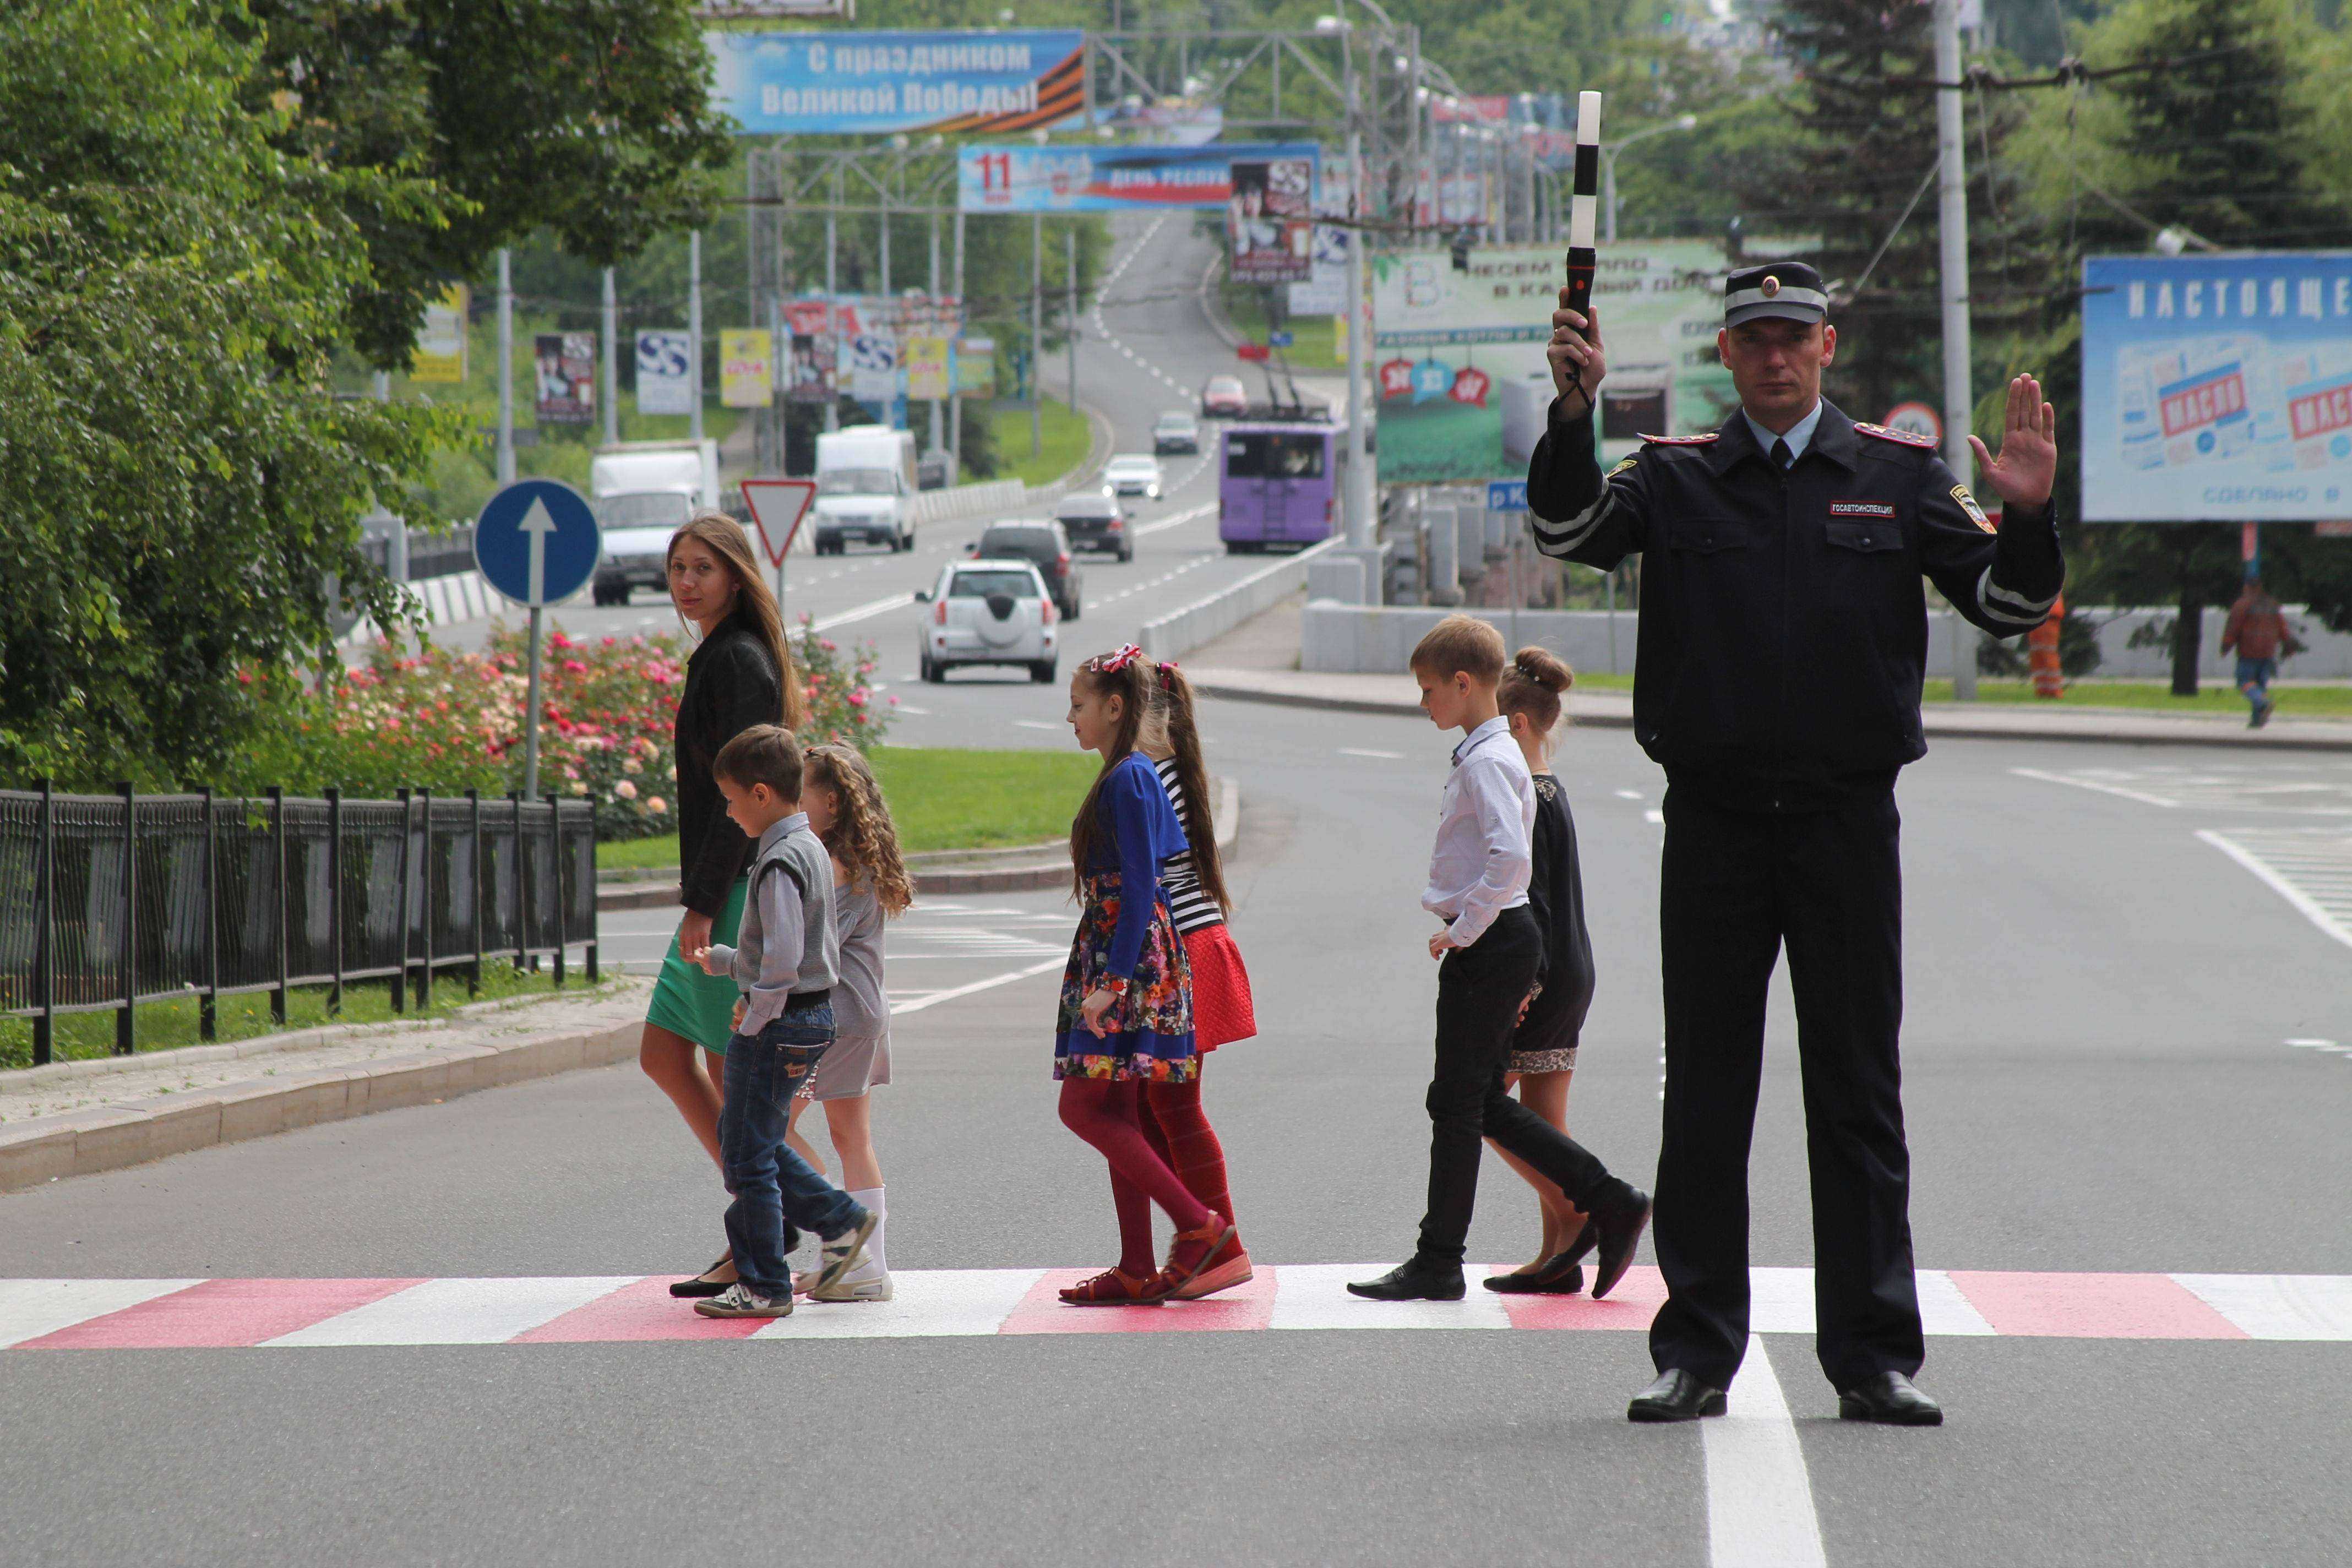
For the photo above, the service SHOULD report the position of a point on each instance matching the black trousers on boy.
(1735, 887)
(1479, 989)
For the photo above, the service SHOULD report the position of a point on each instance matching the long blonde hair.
(726, 538)
(862, 837)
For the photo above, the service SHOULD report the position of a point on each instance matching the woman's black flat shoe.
(702, 1284)
(1543, 1283)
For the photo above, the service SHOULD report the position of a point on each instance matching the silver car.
(1133, 474)
(988, 611)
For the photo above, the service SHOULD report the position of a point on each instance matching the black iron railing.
(106, 901)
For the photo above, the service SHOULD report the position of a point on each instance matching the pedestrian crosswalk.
(196, 1314)
(2309, 868)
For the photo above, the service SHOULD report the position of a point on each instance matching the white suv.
(988, 611)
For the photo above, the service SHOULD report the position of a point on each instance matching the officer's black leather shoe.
(1620, 1228)
(1890, 1400)
(1413, 1280)
(1677, 1396)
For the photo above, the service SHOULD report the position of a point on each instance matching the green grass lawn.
(164, 1026)
(1066, 434)
(2145, 696)
(943, 798)
(1314, 340)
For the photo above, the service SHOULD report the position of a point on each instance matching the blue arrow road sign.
(1279, 340)
(537, 542)
(1507, 495)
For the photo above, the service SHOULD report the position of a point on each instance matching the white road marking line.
(911, 708)
(31, 1307)
(1034, 724)
(925, 1304)
(1628, 795)
(2139, 795)
(1315, 1295)
(2304, 904)
(1759, 1501)
(1943, 1310)
(1657, 816)
(863, 612)
(1368, 752)
(458, 1313)
(936, 997)
(2278, 1306)
(1181, 518)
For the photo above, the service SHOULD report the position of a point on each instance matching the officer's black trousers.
(1736, 885)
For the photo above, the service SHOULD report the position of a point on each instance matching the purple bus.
(1276, 483)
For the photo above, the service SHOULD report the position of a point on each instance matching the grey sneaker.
(874, 1287)
(844, 1253)
(739, 1300)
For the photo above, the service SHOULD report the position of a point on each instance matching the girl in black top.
(1543, 1051)
(740, 674)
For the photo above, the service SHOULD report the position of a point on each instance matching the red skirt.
(1221, 1010)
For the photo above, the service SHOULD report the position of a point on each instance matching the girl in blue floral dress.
(1126, 1015)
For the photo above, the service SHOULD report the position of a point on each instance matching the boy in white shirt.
(1490, 947)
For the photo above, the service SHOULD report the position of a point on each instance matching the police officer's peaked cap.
(1790, 290)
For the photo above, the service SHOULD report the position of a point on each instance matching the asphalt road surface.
(2126, 1040)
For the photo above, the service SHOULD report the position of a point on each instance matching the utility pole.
(833, 291)
(1359, 332)
(611, 389)
(694, 331)
(1036, 333)
(955, 387)
(1071, 343)
(506, 367)
(938, 319)
(1954, 225)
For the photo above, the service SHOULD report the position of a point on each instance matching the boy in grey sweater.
(786, 959)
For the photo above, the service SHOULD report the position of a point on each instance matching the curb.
(1940, 724)
(109, 1139)
(1224, 809)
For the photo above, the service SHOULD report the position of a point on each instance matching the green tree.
(176, 477)
(592, 121)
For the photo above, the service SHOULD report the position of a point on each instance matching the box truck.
(865, 489)
(642, 491)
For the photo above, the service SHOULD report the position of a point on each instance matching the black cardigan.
(1555, 888)
(730, 685)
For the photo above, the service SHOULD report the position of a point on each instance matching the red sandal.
(1191, 1254)
(1116, 1286)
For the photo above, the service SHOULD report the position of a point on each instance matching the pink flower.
(625, 790)
(655, 806)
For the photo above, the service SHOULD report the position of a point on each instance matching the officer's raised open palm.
(2028, 465)
(1575, 352)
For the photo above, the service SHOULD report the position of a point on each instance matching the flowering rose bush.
(450, 722)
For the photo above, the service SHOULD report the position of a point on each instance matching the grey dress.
(859, 1056)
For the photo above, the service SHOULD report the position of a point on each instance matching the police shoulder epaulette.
(1700, 440)
(1900, 437)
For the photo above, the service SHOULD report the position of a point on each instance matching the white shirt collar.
(1500, 724)
(1799, 435)
(778, 831)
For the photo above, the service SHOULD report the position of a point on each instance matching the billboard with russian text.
(1032, 179)
(2217, 387)
(957, 83)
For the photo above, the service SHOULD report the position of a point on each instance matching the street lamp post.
(1609, 151)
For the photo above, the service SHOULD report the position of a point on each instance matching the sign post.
(777, 507)
(537, 542)
(1510, 496)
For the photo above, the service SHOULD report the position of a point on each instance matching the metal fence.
(106, 901)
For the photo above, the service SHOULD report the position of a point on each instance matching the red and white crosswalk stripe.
(164, 1314)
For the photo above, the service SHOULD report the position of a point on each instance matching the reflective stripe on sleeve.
(2004, 606)
(1560, 538)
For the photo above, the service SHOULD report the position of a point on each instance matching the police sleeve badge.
(1621, 467)
(1975, 513)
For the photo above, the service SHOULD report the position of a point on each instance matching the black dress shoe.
(702, 1284)
(1414, 1281)
(1620, 1232)
(1677, 1396)
(1560, 1275)
(1891, 1400)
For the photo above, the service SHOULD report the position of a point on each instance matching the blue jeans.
(775, 1190)
(2255, 678)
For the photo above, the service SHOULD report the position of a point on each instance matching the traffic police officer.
(1782, 641)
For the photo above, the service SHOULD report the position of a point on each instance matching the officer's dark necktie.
(1781, 456)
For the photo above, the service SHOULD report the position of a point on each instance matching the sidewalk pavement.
(1945, 721)
(69, 1119)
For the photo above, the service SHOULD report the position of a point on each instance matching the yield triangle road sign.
(778, 506)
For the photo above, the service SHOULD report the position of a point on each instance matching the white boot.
(870, 1281)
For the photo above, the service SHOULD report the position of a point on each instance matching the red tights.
(1180, 1131)
(1109, 1116)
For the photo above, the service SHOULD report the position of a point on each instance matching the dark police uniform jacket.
(1783, 629)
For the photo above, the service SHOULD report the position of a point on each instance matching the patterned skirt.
(1148, 1032)
(1223, 1011)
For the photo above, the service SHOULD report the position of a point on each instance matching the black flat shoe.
(1544, 1281)
(1414, 1281)
(703, 1284)
(1890, 1400)
(1677, 1396)
(1620, 1232)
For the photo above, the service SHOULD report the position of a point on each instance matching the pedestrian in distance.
(870, 886)
(740, 674)
(2258, 630)
(1223, 1011)
(1126, 1017)
(1490, 950)
(1780, 651)
(1543, 1045)
(786, 960)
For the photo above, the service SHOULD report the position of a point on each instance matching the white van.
(641, 491)
(865, 487)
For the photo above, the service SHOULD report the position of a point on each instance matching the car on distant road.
(1175, 431)
(1133, 474)
(1225, 395)
(1042, 543)
(1095, 520)
(988, 611)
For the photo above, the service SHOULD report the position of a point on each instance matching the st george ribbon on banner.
(998, 178)
(959, 83)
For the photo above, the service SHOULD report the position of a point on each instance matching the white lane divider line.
(1367, 751)
(31, 1307)
(1657, 816)
(2281, 865)
(1759, 1501)
(1628, 795)
(936, 997)
(863, 612)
